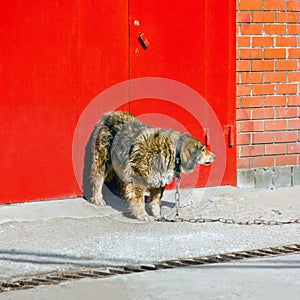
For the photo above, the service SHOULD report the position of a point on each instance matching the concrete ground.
(49, 236)
(264, 279)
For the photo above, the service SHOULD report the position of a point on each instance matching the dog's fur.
(141, 158)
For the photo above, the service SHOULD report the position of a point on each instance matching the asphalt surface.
(50, 236)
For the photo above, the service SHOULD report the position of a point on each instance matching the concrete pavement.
(42, 237)
(265, 279)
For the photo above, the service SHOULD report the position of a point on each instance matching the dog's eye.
(203, 150)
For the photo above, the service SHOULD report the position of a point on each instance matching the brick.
(294, 76)
(253, 101)
(294, 100)
(243, 139)
(286, 41)
(242, 114)
(275, 5)
(252, 126)
(251, 150)
(262, 17)
(263, 178)
(251, 5)
(275, 28)
(262, 41)
(294, 148)
(262, 113)
(274, 77)
(243, 163)
(293, 28)
(263, 89)
(254, 77)
(286, 136)
(243, 65)
(243, 41)
(287, 65)
(286, 112)
(271, 53)
(282, 177)
(238, 102)
(252, 53)
(285, 160)
(294, 53)
(286, 88)
(248, 29)
(271, 125)
(243, 90)
(293, 124)
(263, 137)
(246, 179)
(296, 175)
(272, 149)
(294, 5)
(243, 17)
(287, 17)
(262, 65)
(262, 161)
(275, 101)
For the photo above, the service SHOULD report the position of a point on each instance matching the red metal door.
(56, 56)
(193, 43)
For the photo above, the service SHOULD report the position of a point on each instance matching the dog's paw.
(145, 217)
(98, 201)
(156, 210)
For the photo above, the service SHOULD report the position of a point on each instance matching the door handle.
(143, 41)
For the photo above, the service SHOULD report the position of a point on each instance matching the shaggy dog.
(141, 158)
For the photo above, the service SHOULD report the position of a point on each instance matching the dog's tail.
(106, 130)
(113, 122)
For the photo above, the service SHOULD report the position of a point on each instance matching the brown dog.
(142, 157)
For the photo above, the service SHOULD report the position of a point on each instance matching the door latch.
(229, 131)
(143, 41)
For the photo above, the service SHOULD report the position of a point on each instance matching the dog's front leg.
(135, 196)
(155, 201)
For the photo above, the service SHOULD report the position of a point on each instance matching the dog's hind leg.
(155, 201)
(135, 196)
(98, 175)
(97, 191)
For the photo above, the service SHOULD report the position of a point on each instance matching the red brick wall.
(268, 89)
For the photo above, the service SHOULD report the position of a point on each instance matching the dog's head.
(193, 152)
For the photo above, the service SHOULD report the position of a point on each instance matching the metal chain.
(219, 220)
(234, 222)
(177, 197)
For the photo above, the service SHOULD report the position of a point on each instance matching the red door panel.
(38, 99)
(191, 42)
(56, 56)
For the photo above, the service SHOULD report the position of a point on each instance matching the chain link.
(219, 220)
(233, 222)
(177, 197)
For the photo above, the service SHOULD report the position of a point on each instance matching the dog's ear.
(189, 152)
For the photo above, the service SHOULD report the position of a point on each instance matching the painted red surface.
(56, 57)
(192, 42)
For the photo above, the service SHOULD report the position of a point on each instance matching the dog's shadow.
(110, 190)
